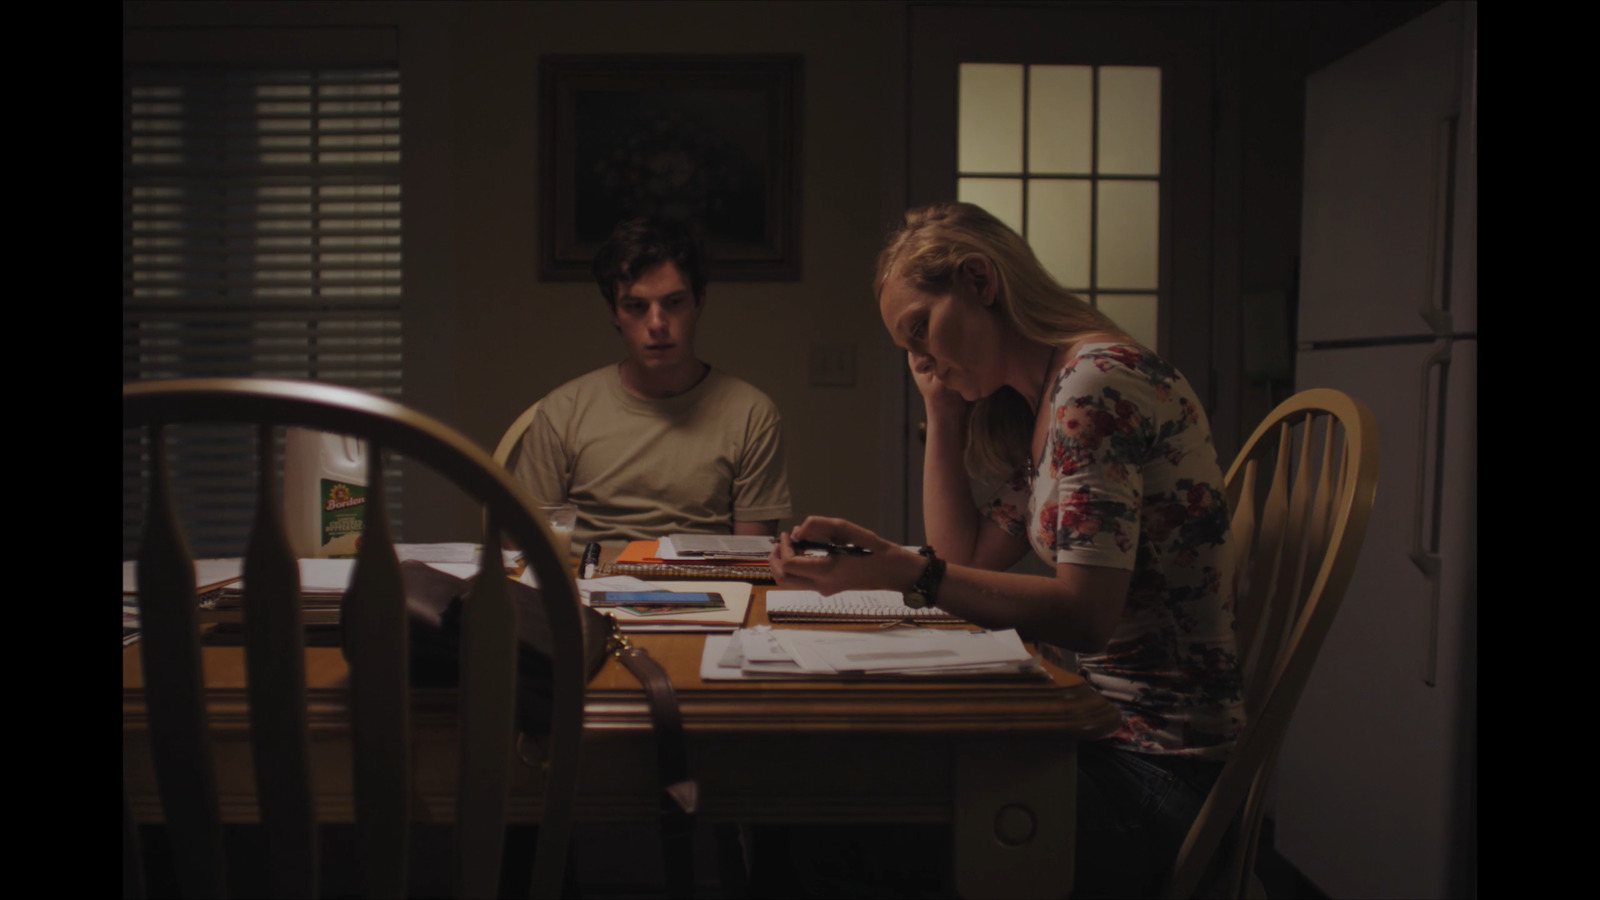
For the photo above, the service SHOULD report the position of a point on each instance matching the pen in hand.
(831, 547)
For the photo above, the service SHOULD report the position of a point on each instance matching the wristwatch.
(926, 591)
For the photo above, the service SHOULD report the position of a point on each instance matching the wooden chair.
(375, 625)
(510, 446)
(1301, 491)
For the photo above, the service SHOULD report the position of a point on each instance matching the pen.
(591, 558)
(831, 547)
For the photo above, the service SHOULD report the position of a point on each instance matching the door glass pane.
(1060, 119)
(1002, 197)
(1058, 228)
(1128, 234)
(1134, 313)
(1130, 120)
(989, 134)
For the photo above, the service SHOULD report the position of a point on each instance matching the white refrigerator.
(1376, 784)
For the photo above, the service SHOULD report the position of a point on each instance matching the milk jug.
(324, 492)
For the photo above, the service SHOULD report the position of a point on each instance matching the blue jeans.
(1134, 810)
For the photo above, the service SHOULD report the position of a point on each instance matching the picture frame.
(712, 140)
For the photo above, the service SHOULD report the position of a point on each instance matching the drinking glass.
(563, 517)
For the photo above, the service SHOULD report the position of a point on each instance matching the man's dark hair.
(639, 244)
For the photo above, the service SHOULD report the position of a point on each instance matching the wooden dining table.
(994, 759)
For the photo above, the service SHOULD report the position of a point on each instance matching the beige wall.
(524, 336)
(486, 337)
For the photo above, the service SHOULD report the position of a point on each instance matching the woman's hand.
(941, 402)
(889, 567)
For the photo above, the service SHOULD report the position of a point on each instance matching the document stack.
(322, 586)
(211, 577)
(696, 557)
(904, 652)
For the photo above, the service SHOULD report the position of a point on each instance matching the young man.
(661, 442)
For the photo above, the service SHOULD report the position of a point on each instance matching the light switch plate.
(833, 365)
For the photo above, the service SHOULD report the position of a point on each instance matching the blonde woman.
(1108, 474)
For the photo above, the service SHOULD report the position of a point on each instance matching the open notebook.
(850, 606)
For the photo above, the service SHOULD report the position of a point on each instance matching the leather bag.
(434, 601)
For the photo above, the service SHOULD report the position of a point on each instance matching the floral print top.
(1129, 478)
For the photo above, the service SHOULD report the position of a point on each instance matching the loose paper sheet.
(765, 652)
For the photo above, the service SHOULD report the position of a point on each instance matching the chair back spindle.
(1265, 568)
(1281, 599)
(375, 624)
(1242, 536)
(169, 631)
(380, 709)
(488, 624)
(1295, 550)
(275, 669)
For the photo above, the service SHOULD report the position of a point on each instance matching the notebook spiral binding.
(697, 572)
(927, 615)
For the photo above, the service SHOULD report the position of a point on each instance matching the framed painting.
(712, 140)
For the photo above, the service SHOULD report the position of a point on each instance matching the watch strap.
(925, 592)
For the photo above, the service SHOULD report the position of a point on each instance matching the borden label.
(343, 505)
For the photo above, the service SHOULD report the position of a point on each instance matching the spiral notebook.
(639, 559)
(650, 571)
(851, 606)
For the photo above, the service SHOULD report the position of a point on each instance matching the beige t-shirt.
(640, 469)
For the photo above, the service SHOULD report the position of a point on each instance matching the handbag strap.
(679, 792)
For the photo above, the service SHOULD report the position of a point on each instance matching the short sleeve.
(761, 484)
(542, 465)
(1102, 429)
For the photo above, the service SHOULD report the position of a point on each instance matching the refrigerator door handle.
(1424, 555)
(1436, 306)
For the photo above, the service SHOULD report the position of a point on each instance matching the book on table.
(645, 559)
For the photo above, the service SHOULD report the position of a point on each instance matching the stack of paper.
(130, 621)
(211, 578)
(220, 584)
(737, 561)
(766, 652)
(209, 575)
(696, 547)
(322, 586)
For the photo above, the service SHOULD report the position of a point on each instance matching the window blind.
(261, 238)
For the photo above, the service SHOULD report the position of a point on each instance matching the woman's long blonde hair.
(928, 249)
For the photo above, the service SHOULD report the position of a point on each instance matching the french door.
(1089, 131)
